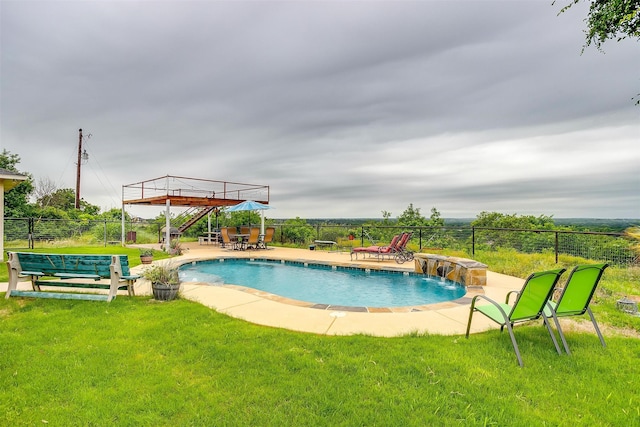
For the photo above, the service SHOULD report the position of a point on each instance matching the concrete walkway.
(257, 307)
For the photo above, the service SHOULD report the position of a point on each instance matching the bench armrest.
(32, 273)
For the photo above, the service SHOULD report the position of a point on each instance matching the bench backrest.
(124, 264)
(69, 263)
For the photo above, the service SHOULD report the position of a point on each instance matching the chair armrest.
(497, 305)
(484, 297)
(509, 295)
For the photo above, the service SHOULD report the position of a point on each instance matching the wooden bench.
(73, 271)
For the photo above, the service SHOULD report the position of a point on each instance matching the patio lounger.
(529, 305)
(376, 250)
(575, 298)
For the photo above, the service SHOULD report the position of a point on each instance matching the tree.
(609, 19)
(16, 200)
(521, 241)
(298, 231)
(435, 220)
(65, 199)
(44, 187)
(386, 218)
(499, 220)
(411, 217)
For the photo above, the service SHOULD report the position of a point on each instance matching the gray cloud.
(344, 108)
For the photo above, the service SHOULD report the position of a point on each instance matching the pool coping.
(471, 291)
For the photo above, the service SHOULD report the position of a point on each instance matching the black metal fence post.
(473, 241)
(30, 233)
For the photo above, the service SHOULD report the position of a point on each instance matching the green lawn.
(136, 362)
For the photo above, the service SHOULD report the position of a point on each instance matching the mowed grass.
(139, 362)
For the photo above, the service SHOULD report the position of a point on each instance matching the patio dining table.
(240, 238)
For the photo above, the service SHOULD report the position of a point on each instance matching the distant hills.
(591, 224)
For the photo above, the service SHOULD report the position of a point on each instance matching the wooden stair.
(194, 215)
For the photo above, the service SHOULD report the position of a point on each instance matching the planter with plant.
(175, 247)
(146, 256)
(165, 281)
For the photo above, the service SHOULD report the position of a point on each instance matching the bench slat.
(57, 283)
(77, 276)
(60, 295)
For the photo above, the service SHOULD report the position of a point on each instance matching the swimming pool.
(325, 284)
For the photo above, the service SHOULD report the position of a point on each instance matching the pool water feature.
(325, 285)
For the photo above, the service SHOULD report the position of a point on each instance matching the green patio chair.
(529, 305)
(575, 297)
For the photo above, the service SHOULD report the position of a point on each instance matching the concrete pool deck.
(268, 310)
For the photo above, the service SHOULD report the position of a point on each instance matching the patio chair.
(253, 239)
(575, 297)
(376, 250)
(227, 237)
(267, 238)
(529, 305)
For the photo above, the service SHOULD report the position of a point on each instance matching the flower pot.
(146, 259)
(163, 292)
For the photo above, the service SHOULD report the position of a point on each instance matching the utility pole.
(82, 155)
(78, 174)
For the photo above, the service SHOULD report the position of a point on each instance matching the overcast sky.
(345, 109)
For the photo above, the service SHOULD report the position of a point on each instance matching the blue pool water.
(322, 284)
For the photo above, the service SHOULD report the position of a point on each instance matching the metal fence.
(614, 248)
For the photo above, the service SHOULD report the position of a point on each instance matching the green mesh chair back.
(534, 295)
(575, 298)
(580, 287)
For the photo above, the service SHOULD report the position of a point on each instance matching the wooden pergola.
(189, 192)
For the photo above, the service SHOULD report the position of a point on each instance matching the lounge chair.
(267, 238)
(575, 298)
(529, 305)
(376, 250)
(400, 252)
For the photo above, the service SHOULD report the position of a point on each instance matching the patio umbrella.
(250, 205)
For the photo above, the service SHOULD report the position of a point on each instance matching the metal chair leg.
(595, 325)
